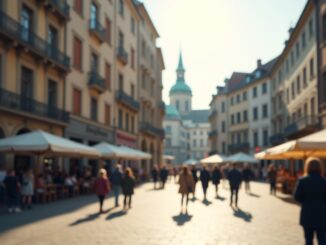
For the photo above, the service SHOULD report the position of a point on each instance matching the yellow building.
(33, 67)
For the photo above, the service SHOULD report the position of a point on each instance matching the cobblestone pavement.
(155, 219)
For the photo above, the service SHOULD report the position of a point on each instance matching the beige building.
(33, 68)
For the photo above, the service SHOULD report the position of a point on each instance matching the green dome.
(171, 112)
(180, 88)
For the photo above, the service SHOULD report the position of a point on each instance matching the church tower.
(180, 93)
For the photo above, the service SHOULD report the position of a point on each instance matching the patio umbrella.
(311, 145)
(168, 157)
(41, 143)
(190, 161)
(110, 151)
(241, 157)
(213, 159)
(136, 154)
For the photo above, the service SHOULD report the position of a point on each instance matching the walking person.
(311, 194)
(116, 182)
(186, 183)
(271, 175)
(195, 177)
(216, 178)
(235, 178)
(247, 175)
(12, 186)
(204, 178)
(101, 187)
(163, 176)
(128, 185)
(28, 188)
(155, 175)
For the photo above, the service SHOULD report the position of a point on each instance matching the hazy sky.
(218, 37)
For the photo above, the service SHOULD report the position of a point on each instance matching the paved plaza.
(155, 219)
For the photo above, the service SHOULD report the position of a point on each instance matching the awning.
(213, 159)
(241, 157)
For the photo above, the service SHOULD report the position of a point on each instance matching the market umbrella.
(136, 154)
(110, 151)
(190, 161)
(311, 145)
(241, 157)
(213, 159)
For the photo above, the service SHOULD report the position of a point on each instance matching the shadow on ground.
(288, 199)
(206, 202)
(246, 216)
(253, 195)
(116, 214)
(90, 217)
(182, 218)
(220, 198)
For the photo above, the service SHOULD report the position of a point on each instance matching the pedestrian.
(175, 173)
(3, 175)
(128, 185)
(235, 178)
(186, 183)
(311, 194)
(272, 174)
(195, 177)
(28, 188)
(12, 191)
(216, 178)
(204, 178)
(116, 182)
(247, 175)
(155, 175)
(101, 187)
(163, 176)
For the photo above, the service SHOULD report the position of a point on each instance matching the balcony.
(212, 133)
(96, 82)
(16, 102)
(277, 139)
(97, 29)
(61, 8)
(127, 100)
(242, 147)
(122, 55)
(14, 32)
(148, 128)
(301, 127)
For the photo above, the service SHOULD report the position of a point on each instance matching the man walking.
(116, 181)
(235, 178)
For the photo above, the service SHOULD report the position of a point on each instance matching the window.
(232, 119)
(93, 16)
(238, 98)
(108, 76)
(223, 107)
(256, 137)
(121, 7)
(120, 118)
(132, 89)
(177, 104)
(311, 28)
(168, 129)
(312, 106)
(223, 147)
(312, 70)
(255, 113)
(27, 86)
(107, 114)
(132, 25)
(238, 138)
(143, 48)
(121, 40)
(132, 124)
(254, 92)
(26, 23)
(304, 77)
(238, 117)
(132, 63)
(187, 106)
(265, 137)
(292, 58)
(223, 127)
(244, 96)
(94, 109)
(108, 27)
(293, 90)
(305, 109)
(287, 66)
(194, 143)
(298, 85)
(78, 6)
(76, 102)
(143, 80)
(53, 37)
(120, 79)
(94, 63)
(264, 88)
(265, 111)
(324, 27)
(78, 54)
(127, 122)
(287, 95)
(52, 94)
(201, 143)
(299, 113)
(303, 40)
(245, 116)
(232, 102)
(297, 49)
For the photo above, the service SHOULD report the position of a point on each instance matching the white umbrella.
(190, 161)
(110, 151)
(241, 157)
(46, 144)
(136, 154)
(213, 159)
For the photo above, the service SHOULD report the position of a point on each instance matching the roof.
(180, 87)
(197, 116)
(235, 80)
(171, 112)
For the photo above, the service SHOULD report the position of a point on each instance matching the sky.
(218, 37)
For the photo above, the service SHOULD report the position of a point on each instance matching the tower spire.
(180, 65)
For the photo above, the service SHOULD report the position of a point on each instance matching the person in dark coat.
(311, 194)
(271, 175)
(155, 175)
(116, 181)
(204, 178)
(163, 175)
(247, 175)
(128, 185)
(12, 186)
(216, 178)
(235, 178)
(195, 178)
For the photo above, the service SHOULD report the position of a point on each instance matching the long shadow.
(246, 216)
(220, 198)
(193, 199)
(88, 218)
(116, 214)
(288, 199)
(44, 211)
(253, 195)
(206, 202)
(181, 219)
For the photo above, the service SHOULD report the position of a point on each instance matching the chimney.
(226, 81)
(291, 30)
(259, 63)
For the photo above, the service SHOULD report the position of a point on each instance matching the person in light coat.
(186, 183)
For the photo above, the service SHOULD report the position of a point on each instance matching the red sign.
(126, 140)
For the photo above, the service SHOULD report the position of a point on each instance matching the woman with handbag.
(187, 184)
(101, 187)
